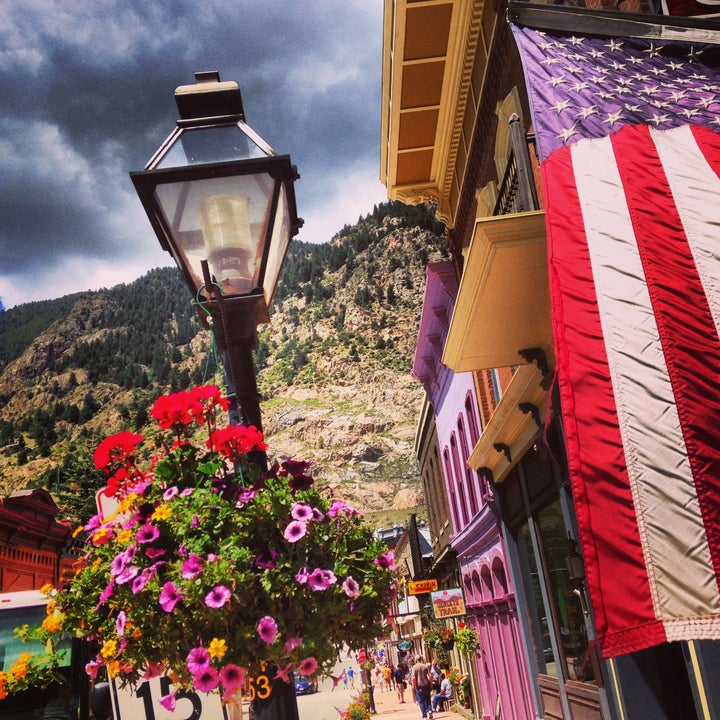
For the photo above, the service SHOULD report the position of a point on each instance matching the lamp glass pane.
(216, 143)
(278, 245)
(222, 220)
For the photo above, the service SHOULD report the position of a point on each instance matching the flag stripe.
(635, 291)
(668, 513)
(693, 349)
(601, 488)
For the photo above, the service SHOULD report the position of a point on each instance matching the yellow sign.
(418, 587)
(448, 603)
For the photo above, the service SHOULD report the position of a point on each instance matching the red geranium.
(235, 440)
(116, 449)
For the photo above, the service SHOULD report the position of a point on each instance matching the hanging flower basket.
(466, 640)
(209, 568)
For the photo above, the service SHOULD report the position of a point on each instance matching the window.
(468, 471)
(459, 478)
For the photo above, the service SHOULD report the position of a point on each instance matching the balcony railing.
(517, 191)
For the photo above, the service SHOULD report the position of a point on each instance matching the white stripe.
(669, 520)
(696, 189)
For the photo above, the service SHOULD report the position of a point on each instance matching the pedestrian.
(444, 694)
(399, 677)
(351, 677)
(422, 682)
(344, 677)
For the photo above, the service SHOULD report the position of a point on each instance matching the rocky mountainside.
(333, 367)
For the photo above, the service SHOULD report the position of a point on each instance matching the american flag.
(627, 129)
(587, 87)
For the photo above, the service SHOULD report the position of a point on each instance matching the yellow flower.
(161, 512)
(113, 668)
(109, 648)
(51, 623)
(50, 607)
(124, 537)
(19, 670)
(46, 589)
(77, 531)
(217, 648)
(126, 503)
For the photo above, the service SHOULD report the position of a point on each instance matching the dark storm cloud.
(86, 95)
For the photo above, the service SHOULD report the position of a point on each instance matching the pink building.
(474, 541)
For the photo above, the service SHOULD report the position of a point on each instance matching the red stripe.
(687, 331)
(624, 611)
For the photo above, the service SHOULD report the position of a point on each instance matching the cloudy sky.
(86, 96)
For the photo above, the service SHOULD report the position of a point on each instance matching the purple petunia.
(267, 629)
(266, 561)
(320, 580)
(192, 567)
(127, 574)
(351, 588)
(295, 531)
(218, 596)
(386, 560)
(170, 596)
(120, 623)
(170, 493)
(198, 660)
(147, 534)
(301, 511)
(302, 575)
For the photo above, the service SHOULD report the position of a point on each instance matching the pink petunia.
(91, 669)
(232, 678)
(120, 623)
(147, 534)
(308, 666)
(218, 596)
(191, 568)
(153, 670)
(267, 629)
(198, 660)
(168, 701)
(386, 560)
(301, 511)
(302, 575)
(170, 493)
(291, 643)
(295, 531)
(170, 596)
(320, 580)
(351, 588)
(207, 680)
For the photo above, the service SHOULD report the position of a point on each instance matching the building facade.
(459, 131)
(464, 499)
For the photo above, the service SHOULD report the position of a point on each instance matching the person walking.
(399, 677)
(422, 683)
(351, 677)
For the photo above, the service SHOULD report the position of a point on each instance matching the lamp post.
(222, 203)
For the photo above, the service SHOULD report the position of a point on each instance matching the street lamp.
(222, 203)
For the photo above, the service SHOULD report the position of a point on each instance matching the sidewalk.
(388, 707)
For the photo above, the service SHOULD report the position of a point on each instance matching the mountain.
(333, 367)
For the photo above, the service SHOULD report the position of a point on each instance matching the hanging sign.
(448, 603)
(420, 587)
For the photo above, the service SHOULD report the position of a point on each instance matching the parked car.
(305, 685)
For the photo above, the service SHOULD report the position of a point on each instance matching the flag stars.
(652, 51)
(549, 61)
(577, 87)
(566, 134)
(659, 119)
(694, 55)
(614, 45)
(613, 118)
(560, 105)
(586, 112)
(596, 53)
(558, 80)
